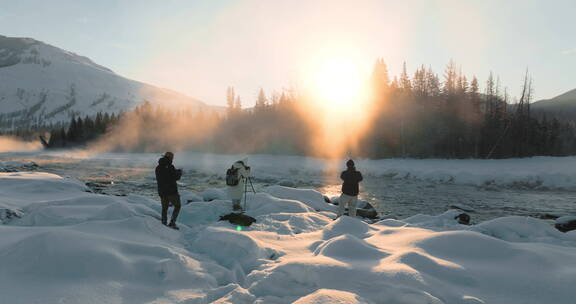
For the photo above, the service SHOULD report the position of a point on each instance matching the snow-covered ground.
(63, 244)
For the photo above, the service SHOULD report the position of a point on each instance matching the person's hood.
(163, 161)
(241, 163)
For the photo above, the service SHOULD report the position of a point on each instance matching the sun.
(338, 106)
(337, 84)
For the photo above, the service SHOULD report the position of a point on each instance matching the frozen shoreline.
(534, 173)
(396, 187)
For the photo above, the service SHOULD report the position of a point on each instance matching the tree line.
(79, 131)
(418, 115)
(423, 116)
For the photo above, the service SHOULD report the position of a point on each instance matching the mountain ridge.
(42, 84)
(562, 106)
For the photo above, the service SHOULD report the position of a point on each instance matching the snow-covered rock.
(310, 197)
(323, 296)
(187, 197)
(14, 166)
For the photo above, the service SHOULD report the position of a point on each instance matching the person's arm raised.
(175, 173)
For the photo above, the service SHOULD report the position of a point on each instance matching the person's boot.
(173, 225)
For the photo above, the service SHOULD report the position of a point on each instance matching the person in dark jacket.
(350, 189)
(166, 177)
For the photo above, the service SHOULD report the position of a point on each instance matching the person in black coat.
(350, 189)
(166, 177)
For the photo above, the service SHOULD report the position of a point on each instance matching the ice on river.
(67, 245)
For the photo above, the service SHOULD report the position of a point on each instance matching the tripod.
(248, 180)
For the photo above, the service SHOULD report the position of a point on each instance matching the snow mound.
(524, 229)
(189, 197)
(263, 203)
(130, 269)
(349, 247)
(347, 225)
(214, 194)
(310, 197)
(291, 223)
(391, 223)
(230, 248)
(20, 189)
(323, 296)
(486, 263)
(444, 221)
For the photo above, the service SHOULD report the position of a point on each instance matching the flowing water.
(124, 173)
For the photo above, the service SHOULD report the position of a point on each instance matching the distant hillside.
(41, 84)
(562, 106)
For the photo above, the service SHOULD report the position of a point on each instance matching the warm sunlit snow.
(63, 244)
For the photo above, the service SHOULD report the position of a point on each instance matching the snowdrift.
(66, 245)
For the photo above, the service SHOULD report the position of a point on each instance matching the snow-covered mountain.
(562, 106)
(40, 84)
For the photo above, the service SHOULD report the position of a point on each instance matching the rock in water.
(463, 219)
(566, 223)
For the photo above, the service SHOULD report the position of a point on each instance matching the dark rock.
(239, 219)
(8, 214)
(547, 216)
(367, 213)
(463, 219)
(566, 223)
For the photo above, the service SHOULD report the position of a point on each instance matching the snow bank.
(322, 296)
(310, 197)
(69, 245)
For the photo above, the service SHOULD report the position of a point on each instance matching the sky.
(201, 47)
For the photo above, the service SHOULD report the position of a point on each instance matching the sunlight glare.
(337, 85)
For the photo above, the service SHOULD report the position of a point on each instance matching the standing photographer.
(166, 177)
(236, 178)
(350, 189)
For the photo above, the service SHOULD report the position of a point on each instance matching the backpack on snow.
(232, 178)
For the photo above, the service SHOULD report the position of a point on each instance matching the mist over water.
(12, 144)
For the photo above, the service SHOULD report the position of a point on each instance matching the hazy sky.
(201, 47)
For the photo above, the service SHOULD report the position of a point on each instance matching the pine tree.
(230, 101)
(261, 101)
(450, 76)
(380, 79)
(405, 83)
(238, 104)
